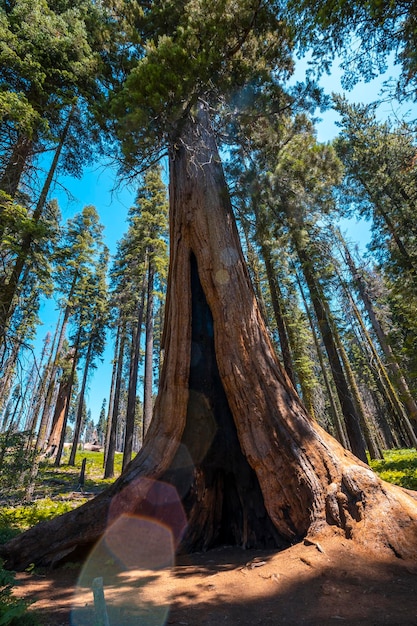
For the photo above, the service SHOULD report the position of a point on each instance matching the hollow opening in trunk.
(221, 492)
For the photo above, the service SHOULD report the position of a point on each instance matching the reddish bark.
(229, 430)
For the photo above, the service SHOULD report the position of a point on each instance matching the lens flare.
(222, 277)
(140, 543)
(135, 555)
(229, 256)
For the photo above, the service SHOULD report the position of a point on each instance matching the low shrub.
(13, 611)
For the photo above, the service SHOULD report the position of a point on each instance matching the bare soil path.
(329, 583)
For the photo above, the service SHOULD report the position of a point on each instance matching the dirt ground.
(326, 583)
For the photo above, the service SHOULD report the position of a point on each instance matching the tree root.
(373, 513)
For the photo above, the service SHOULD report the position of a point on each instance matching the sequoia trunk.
(229, 430)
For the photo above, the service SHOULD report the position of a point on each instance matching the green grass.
(68, 475)
(57, 491)
(398, 467)
(57, 487)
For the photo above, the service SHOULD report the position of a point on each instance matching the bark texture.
(229, 430)
(59, 416)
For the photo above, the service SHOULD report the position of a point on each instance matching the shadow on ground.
(315, 585)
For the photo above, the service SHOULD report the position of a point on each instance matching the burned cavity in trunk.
(306, 481)
(219, 476)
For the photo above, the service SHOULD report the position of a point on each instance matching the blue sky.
(98, 186)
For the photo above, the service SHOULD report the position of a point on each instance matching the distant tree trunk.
(274, 291)
(229, 430)
(50, 379)
(71, 379)
(253, 265)
(111, 397)
(10, 413)
(346, 402)
(7, 373)
(51, 374)
(109, 465)
(397, 374)
(40, 441)
(389, 391)
(44, 379)
(386, 429)
(373, 449)
(79, 416)
(148, 375)
(29, 389)
(63, 400)
(38, 378)
(133, 380)
(334, 409)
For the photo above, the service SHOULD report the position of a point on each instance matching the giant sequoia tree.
(229, 431)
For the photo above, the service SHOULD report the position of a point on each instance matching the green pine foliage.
(49, 56)
(380, 186)
(363, 34)
(235, 47)
(15, 462)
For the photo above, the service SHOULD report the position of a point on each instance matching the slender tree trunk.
(397, 374)
(38, 378)
(346, 402)
(111, 397)
(229, 430)
(79, 416)
(7, 373)
(386, 426)
(9, 420)
(334, 409)
(253, 265)
(274, 291)
(394, 400)
(29, 388)
(148, 375)
(109, 466)
(39, 445)
(43, 427)
(133, 380)
(61, 443)
(39, 396)
(63, 400)
(373, 449)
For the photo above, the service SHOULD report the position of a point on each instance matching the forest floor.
(333, 582)
(328, 583)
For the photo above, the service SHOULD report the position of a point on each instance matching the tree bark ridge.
(307, 482)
